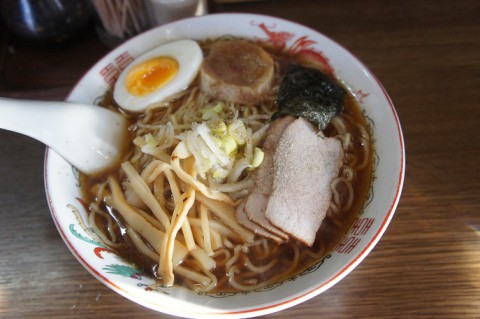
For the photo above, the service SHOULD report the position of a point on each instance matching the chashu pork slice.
(257, 229)
(237, 71)
(304, 167)
(256, 201)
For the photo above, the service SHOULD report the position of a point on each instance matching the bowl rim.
(312, 291)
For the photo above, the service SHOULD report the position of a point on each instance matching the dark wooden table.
(427, 265)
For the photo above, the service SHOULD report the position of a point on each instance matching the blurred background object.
(235, 1)
(164, 11)
(122, 19)
(45, 20)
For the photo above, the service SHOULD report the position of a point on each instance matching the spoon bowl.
(87, 136)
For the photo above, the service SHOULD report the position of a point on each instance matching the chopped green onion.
(211, 112)
(258, 156)
(238, 131)
(150, 139)
(217, 127)
(228, 144)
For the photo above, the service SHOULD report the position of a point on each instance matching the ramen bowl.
(69, 215)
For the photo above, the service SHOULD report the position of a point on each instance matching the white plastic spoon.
(87, 136)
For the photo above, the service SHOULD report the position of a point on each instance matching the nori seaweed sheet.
(308, 93)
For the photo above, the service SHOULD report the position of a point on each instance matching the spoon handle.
(87, 136)
(41, 120)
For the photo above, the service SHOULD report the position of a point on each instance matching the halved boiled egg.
(158, 74)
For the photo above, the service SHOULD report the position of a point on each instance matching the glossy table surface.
(427, 265)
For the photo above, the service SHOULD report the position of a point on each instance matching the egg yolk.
(150, 75)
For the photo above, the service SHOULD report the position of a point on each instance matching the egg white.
(189, 56)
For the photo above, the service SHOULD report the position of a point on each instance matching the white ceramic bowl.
(62, 189)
